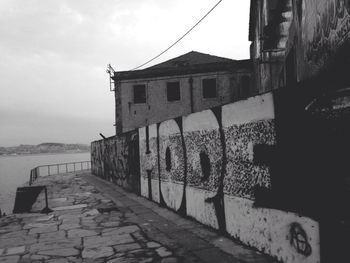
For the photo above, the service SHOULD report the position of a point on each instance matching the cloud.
(54, 53)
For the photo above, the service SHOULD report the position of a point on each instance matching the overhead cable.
(177, 41)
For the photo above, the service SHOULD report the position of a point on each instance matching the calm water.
(15, 170)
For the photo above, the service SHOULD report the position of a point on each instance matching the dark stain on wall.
(205, 165)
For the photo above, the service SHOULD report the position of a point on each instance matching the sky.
(53, 81)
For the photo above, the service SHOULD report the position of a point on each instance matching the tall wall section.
(209, 166)
(116, 159)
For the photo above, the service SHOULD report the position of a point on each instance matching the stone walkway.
(96, 221)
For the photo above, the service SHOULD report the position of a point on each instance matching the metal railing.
(59, 168)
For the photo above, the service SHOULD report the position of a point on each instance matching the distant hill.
(47, 147)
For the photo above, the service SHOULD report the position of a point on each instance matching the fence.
(53, 169)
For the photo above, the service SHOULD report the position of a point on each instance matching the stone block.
(61, 252)
(15, 250)
(81, 233)
(97, 252)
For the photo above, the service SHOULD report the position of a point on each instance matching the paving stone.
(169, 260)
(127, 247)
(45, 229)
(40, 225)
(110, 224)
(52, 236)
(70, 217)
(69, 226)
(96, 241)
(81, 233)
(97, 252)
(17, 241)
(45, 218)
(92, 212)
(120, 230)
(61, 252)
(123, 260)
(55, 244)
(10, 228)
(57, 260)
(60, 208)
(15, 250)
(37, 257)
(19, 233)
(84, 194)
(9, 259)
(163, 252)
(61, 199)
(153, 244)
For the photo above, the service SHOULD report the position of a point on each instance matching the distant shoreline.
(36, 154)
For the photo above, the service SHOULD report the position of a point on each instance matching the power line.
(177, 41)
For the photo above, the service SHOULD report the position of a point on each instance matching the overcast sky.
(53, 81)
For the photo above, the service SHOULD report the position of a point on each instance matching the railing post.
(66, 168)
(74, 167)
(48, 170)
(58, 168)
(81, 166)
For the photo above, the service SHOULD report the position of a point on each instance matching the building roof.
(189, 63)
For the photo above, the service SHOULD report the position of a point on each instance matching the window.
(245, 86)
(173, 91)
(209, 88)
(140, 93)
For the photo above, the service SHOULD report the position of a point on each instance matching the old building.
(189, 83)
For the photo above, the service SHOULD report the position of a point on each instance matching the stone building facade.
(189, 83)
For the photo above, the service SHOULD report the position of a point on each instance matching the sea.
(15, 171)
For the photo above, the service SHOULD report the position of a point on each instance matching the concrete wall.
(205, 165)
(116, 159)
(156, 109)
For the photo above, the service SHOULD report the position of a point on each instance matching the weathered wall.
(116, 159)
(156, 109)
(313, 33)
(325, 27)
(206, 165)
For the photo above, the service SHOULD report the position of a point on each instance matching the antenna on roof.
(110, 71)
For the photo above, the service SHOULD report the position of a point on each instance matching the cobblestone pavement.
(96, 221)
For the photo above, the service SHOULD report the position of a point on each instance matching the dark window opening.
(173, 91)
(167, 159)
(245, 86)
(209, 88)
(140, 93)
(205, 165)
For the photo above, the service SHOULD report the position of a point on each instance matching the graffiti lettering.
(299, 239)
(332, 29)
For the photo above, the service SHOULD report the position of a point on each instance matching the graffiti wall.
(325, 28)
(207, 165)
(116, 159)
